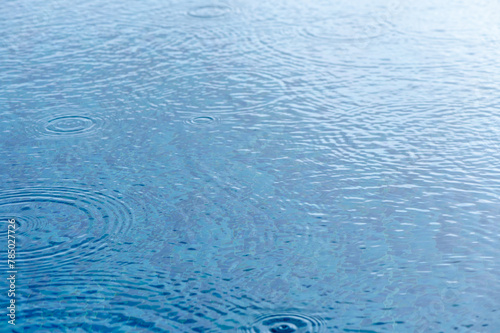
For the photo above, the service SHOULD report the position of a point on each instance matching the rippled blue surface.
(246, 166)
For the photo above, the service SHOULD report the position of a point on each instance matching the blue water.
(251, 166)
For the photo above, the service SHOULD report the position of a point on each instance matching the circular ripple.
(203, 121)
(70, 125)
(467, 22)
(210, 11)
(222, 92)
(4, 218)
(326, 41)
(59, 225)
(342, 29)
(67, 126)
(286, 323)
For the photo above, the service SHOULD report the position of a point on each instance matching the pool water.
(251, 166)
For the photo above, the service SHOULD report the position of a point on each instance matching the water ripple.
(136, 297)
(286, 323)
(210, 11)
(340, 29)
(203, 121)
(60, 225)
(476, 24)
(70, 125)
(222, 92)
(196, 42)
(66, 125)
(324, 41)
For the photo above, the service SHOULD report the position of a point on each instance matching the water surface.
(238, 166)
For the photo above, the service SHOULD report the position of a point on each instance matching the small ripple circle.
(203, 121)
(287, 323)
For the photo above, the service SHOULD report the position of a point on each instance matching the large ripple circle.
(222, 92)
(342, 29)
(333, 40)
(287, 323)
(56, 226)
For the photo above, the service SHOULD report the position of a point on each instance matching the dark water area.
(250, 166)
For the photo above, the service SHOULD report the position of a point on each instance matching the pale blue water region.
(251, 166)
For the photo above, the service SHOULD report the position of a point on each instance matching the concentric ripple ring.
(203, 121)
(222, 92)
(70, 124)
(59, 225)
(287, 323)
(67, 125)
